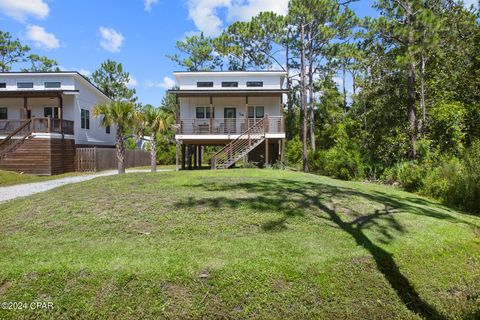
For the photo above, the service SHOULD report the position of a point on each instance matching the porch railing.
(38, 125)
(227, 126)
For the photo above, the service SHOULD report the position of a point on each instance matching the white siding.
(271, 80)
(86, 98)
(188, 105)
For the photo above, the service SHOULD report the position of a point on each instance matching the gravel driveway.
(23, 190)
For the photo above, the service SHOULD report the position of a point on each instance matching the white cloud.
(205, 14)
(132, 82)
(167, 83)
(42, 38)
(468, 3)
(149, 4)
(245, 10)
(84, 72)
(111, 39)
(21, 9)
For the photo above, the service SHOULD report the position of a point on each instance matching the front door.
(230, 114)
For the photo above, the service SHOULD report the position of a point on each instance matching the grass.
(237, 244)
(10, 178)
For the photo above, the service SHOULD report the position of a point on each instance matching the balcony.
(227, 126)
(37, 125)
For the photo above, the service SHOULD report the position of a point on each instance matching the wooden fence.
(99, 159)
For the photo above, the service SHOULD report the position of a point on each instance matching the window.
(3, 85)
(50, 112)
(229, 84)
(53, 85)
(205, 84)
(85, 119)
(107, 129)
(256, 112)
(25, 85)
(205, 112)
(254, 83)
(3, 113)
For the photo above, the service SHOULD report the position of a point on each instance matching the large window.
(53, 84)
(205, 112)
(50, 112)
(24, 85)
(255, 84)
(256, 112)
(229, 84)
(3, 85)
(3, 113)
(205, 84)
(85, 119)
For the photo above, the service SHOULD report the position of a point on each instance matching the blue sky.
(138, 33)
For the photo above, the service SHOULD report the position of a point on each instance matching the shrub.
(338, 162)
(293, 153)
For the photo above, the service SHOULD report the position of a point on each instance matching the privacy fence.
(99, 159)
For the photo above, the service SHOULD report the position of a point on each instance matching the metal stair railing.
(241, 146)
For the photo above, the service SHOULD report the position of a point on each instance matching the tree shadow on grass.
(292, 198)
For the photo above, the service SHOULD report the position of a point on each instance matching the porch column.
(60, 111)
(25, 107)
(246, 113)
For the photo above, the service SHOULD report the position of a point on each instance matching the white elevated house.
(44, 116)
(241, 110)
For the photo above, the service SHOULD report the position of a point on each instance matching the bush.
(293, 153)
(338, 162)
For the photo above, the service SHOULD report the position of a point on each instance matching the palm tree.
(158, 120)
(121, 115)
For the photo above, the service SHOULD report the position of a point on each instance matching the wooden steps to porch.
(240, 147)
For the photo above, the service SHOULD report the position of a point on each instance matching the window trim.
(255, 107)
(205, 84)
(21, 85)
(48, 84)
(254, 84)
(54, 112)
(85, 119)
(6, 113)
(229, 84)
(208, 112)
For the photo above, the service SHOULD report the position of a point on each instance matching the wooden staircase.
(241, 146)
(15, 139)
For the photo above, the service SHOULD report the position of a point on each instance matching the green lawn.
(237, 244)
(9, 178)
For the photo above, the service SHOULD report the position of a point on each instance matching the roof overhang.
(227, 93)
(35, 93)
(75, 74)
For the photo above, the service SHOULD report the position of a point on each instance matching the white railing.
(227, 126)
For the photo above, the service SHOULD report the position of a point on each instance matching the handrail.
(243, 143)
(239, 137)
(7, 138)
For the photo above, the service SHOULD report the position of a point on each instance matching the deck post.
(195, 155)
(200, 156)
(177, 147)
(282, 151)
(189, 156)
(266, 152)
(183, 155)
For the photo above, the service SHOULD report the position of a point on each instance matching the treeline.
(393, 98)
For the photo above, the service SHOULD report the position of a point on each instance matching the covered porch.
(37, 112)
